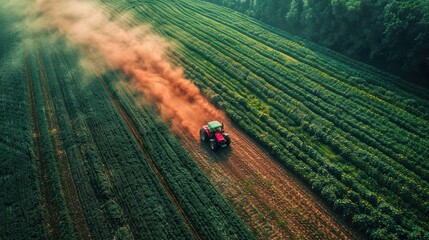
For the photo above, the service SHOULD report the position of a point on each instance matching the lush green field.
(80, 160)
(83, 155)
(356, 135)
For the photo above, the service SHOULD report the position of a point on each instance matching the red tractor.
(214, 131)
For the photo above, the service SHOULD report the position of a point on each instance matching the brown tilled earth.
(271, 201)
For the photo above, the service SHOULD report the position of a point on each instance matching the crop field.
(76, 162)
(323, 147)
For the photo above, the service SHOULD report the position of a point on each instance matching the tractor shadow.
(216, 156)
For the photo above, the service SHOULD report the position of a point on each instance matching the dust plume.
(137, 52)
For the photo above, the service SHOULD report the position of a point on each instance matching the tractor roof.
(214, 124)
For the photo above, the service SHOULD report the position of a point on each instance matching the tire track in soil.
(51, 218)
(273, 203)
(146, 154)
(71, 196)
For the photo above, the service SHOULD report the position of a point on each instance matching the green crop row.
(20, 193)
(85, 165)
(20, 210)
(356, 138)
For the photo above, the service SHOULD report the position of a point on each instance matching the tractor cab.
(214, 127)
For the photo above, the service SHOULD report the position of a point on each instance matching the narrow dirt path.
(273, 203)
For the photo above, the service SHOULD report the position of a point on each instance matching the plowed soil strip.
(50, 213)
(271, 201)
(147, 155)
(67, 181)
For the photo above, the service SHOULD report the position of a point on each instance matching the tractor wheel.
(228, 139)
(203, 135)
(213, 145)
